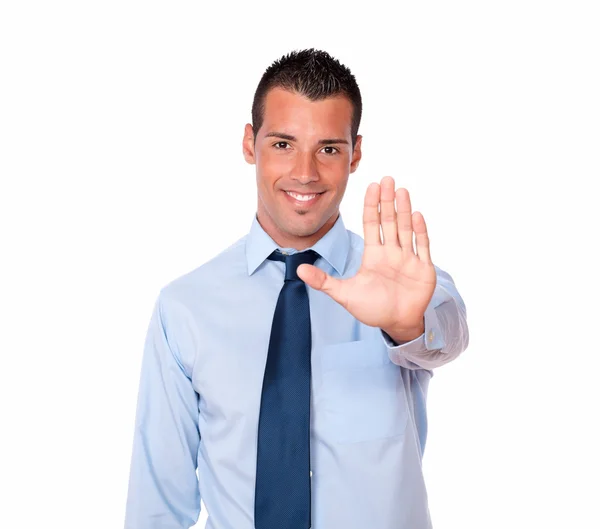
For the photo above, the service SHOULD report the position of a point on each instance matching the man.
(284, 381)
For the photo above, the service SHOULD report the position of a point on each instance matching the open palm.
(394, 284)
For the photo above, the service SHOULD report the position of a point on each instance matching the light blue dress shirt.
(199, 396)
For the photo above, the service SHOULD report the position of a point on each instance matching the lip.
(303, 203)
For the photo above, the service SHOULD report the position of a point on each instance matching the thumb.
(318, 279)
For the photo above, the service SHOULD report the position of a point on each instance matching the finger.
(389, 225)
(318, 279)
(404, 222)
(371, 223)
(422, 237)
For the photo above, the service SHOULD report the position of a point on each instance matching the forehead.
(297, 115)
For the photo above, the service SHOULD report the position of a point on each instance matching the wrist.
(405, 335)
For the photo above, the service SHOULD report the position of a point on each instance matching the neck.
(288, 240)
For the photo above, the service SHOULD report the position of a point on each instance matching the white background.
(121, 168)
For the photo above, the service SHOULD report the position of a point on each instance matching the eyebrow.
(293, 138)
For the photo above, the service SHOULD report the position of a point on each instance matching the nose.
(305, 169)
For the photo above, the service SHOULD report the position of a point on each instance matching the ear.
(248, 144)
(357, 154)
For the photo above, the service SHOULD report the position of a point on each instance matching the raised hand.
(394, 284)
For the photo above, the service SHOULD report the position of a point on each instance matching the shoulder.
(357, 243)
(210, 276)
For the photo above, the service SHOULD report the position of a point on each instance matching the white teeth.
(301, 197)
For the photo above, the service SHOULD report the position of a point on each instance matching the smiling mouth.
(303, 199)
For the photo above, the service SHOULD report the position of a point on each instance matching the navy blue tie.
(282, 495)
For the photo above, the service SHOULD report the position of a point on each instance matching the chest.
(357, 393)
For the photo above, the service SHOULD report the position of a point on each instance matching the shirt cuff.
(430, 340)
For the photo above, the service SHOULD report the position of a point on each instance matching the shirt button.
(430, 337)
(311, 473)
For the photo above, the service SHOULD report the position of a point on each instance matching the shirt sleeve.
(446, 332)
(163, 487)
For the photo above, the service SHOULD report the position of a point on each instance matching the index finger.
(371, 215)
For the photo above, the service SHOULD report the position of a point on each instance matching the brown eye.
(330, 147)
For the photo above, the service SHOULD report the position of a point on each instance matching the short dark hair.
(313, 74)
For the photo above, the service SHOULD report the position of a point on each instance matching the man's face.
(294, 153)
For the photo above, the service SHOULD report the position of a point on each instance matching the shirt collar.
(333, 246)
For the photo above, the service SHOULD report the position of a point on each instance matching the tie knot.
(293, 261)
